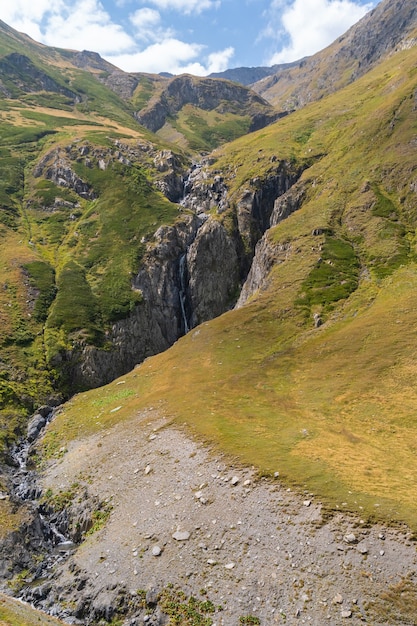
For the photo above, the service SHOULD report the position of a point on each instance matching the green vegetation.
(334, 277)
(16, 613)
(42, 279)
(249, 619)
(185, 611)
(75, 307)
(205, 130)
(333, 408)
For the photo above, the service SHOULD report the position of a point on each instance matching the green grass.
(331, 409)
(15, 613)
(42, 278)
(334, 277)
(205, 130)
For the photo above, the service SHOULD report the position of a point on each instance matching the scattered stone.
(382, 552)
(363, 549)
(346, 614)
(181, 535)
(117, 408)
(247, 483)
(230, 566)
(156, 551)
(211, 562)
(350, 538)
(152, 597)
(338, 599)
(235, 481)
(198, 495)
(307, 503)
(148, 469)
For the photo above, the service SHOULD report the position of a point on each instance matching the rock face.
(213, 270)
(206, 94)
(382, 31)
(192, 271)
(24, 77)
(190, 274)
(267, 254)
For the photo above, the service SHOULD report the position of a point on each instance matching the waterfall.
(24, 488)
(183, 291)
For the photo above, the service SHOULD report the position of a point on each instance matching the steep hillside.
(196, 113)
(91, 284)
(281, 269)
(385, 29)
(309, 382)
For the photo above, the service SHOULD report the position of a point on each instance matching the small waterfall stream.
(183, 291)
(25, 490)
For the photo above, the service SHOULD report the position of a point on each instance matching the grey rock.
(181, 535)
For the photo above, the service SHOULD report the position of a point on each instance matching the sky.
(194, 36)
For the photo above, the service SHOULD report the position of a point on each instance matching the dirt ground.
(185, 515)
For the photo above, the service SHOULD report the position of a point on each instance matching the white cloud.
(79, 25)
(186, 6)
(219, 61)
(148, 27)
(174, 56)
(311, 25)
(86, 25)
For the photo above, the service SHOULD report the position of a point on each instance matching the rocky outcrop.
(287, 203)
(207, 94)
(385, 29)
(121, 83)
(191, 271)
(24, 77)
(56, 167)
(155, 323)
(256, 205)
(190, 274)
(203, 193)
(171, 183)
(267, 254)
(213, 270)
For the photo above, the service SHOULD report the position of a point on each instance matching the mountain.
(384, 30)
(198, 113)
(250, 75)
(234, 336)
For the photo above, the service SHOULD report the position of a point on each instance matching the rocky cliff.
(385, 29)
(207, 94)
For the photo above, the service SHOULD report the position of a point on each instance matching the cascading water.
(183, 291)
(25, 491)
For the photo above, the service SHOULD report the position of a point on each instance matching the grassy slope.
(332, 409)
(36, 242)
(15, 613)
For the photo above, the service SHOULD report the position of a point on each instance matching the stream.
(47, 544)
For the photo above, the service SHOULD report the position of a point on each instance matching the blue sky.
(195, 36)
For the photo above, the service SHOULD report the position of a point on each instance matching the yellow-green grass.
(332, 409)
(15, 613)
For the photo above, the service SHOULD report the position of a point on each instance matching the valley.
(211, 296)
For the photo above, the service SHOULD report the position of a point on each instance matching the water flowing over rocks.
(193, 270)
(44, 537)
